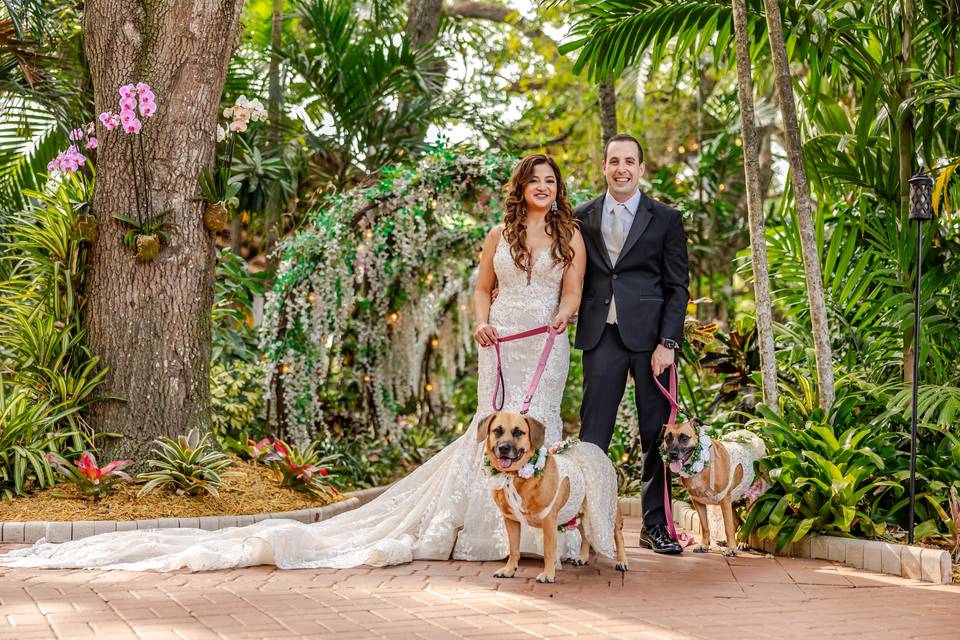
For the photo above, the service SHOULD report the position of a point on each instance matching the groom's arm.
(676, 280)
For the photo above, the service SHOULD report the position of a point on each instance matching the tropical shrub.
(300, 468)
(824, 480)
(189, 465)
(92, 480)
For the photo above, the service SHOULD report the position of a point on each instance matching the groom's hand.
(661, 360)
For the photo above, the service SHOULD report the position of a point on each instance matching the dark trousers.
(605, 370)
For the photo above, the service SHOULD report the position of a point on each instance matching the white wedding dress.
(443, 509)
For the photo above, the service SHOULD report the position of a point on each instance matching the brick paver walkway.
(691, 596)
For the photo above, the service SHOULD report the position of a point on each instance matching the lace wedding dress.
(443, 509)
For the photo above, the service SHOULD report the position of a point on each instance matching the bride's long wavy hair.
(560, 224)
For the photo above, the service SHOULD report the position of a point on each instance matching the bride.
(444, 509)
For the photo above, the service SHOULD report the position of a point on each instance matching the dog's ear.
(696, 423)
(538, 432)
(484, 426)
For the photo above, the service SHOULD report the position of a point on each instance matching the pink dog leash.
(499, 390)
(684, 539)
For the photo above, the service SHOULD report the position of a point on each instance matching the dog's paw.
(730, 553)
(743, 546)
(622, 566)
(577, 562)
(701, 549)
(505, 573)
(545, 579)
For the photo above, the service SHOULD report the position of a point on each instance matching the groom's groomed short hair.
(623, 137)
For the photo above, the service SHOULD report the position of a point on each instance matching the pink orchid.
(128, 103)
(147, 96)
(52, 166)
(127, 115)
(109, 119)
(142, 86)
(92, 143)
(90, 128)
(133, 126)
(76, 134)
(126, 91)
(147, 109)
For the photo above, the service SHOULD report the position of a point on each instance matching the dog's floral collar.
(697, 461)
(533, 468)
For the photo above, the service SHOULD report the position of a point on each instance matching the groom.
(631, 316)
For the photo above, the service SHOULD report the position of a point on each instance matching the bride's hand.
(485, 334)
(560, 321)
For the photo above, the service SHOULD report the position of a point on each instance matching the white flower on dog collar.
(534, 467)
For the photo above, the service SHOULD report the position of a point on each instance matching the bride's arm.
(572, 283)
(484, 333)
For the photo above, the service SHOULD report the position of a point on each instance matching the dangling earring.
(553, 207)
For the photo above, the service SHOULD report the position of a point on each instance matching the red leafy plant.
(300, 468)
(93, 481)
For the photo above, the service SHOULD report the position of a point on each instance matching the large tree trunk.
(150, 322)
(608, 110)
(801, 193)
(423, 25)
(905, 156)
(275, 104)
(758, 239)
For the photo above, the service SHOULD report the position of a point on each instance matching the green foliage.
(190, 465)
(825, 480)
(235, 288)
(236, 400)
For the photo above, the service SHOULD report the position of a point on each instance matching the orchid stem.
(146, 179)
(136, 187)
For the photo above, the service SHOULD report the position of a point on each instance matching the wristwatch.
(669, 344)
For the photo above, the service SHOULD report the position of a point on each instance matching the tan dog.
(511, 441)
(725, 476)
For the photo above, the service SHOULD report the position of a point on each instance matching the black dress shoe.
(658, 538)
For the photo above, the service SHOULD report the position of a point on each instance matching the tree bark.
(758, 239)
(150, 322)
(423, 25)
(274, 106)
(905, 150)
(801, 192)
(607, 94)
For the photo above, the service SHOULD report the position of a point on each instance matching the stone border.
(907, 561)
(62, 531)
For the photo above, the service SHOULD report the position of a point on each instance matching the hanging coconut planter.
(148, 247)
(215, 216)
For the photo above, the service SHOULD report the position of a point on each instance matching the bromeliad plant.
(189, 464)
(299, 468)
(219, 188)
(148, 232)
(93, 481)
(823, 480)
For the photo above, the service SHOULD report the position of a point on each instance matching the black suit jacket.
(649, 281)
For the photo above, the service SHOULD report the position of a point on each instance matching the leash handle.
(499, 390)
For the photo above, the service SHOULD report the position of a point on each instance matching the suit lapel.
(640, 222)
(594, 219)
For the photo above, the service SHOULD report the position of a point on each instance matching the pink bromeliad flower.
(257, 450)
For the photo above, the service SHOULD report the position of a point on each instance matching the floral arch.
(368, 319)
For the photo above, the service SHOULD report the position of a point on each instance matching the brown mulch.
(254, 492)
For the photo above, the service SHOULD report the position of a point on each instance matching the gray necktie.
(614, 235)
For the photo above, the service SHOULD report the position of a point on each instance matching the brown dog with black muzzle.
(548, 498)
(719, 472)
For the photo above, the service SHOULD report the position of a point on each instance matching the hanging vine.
(371, 289)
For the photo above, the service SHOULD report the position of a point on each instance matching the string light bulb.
(284, 368)
(624, 457)
(738, 142)
(434, 343)
(428, 387)
(429, 278)
(368, 234)
(366, 378)
(311, 297)
(681, 149)
(722, 187)
(394, 317)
